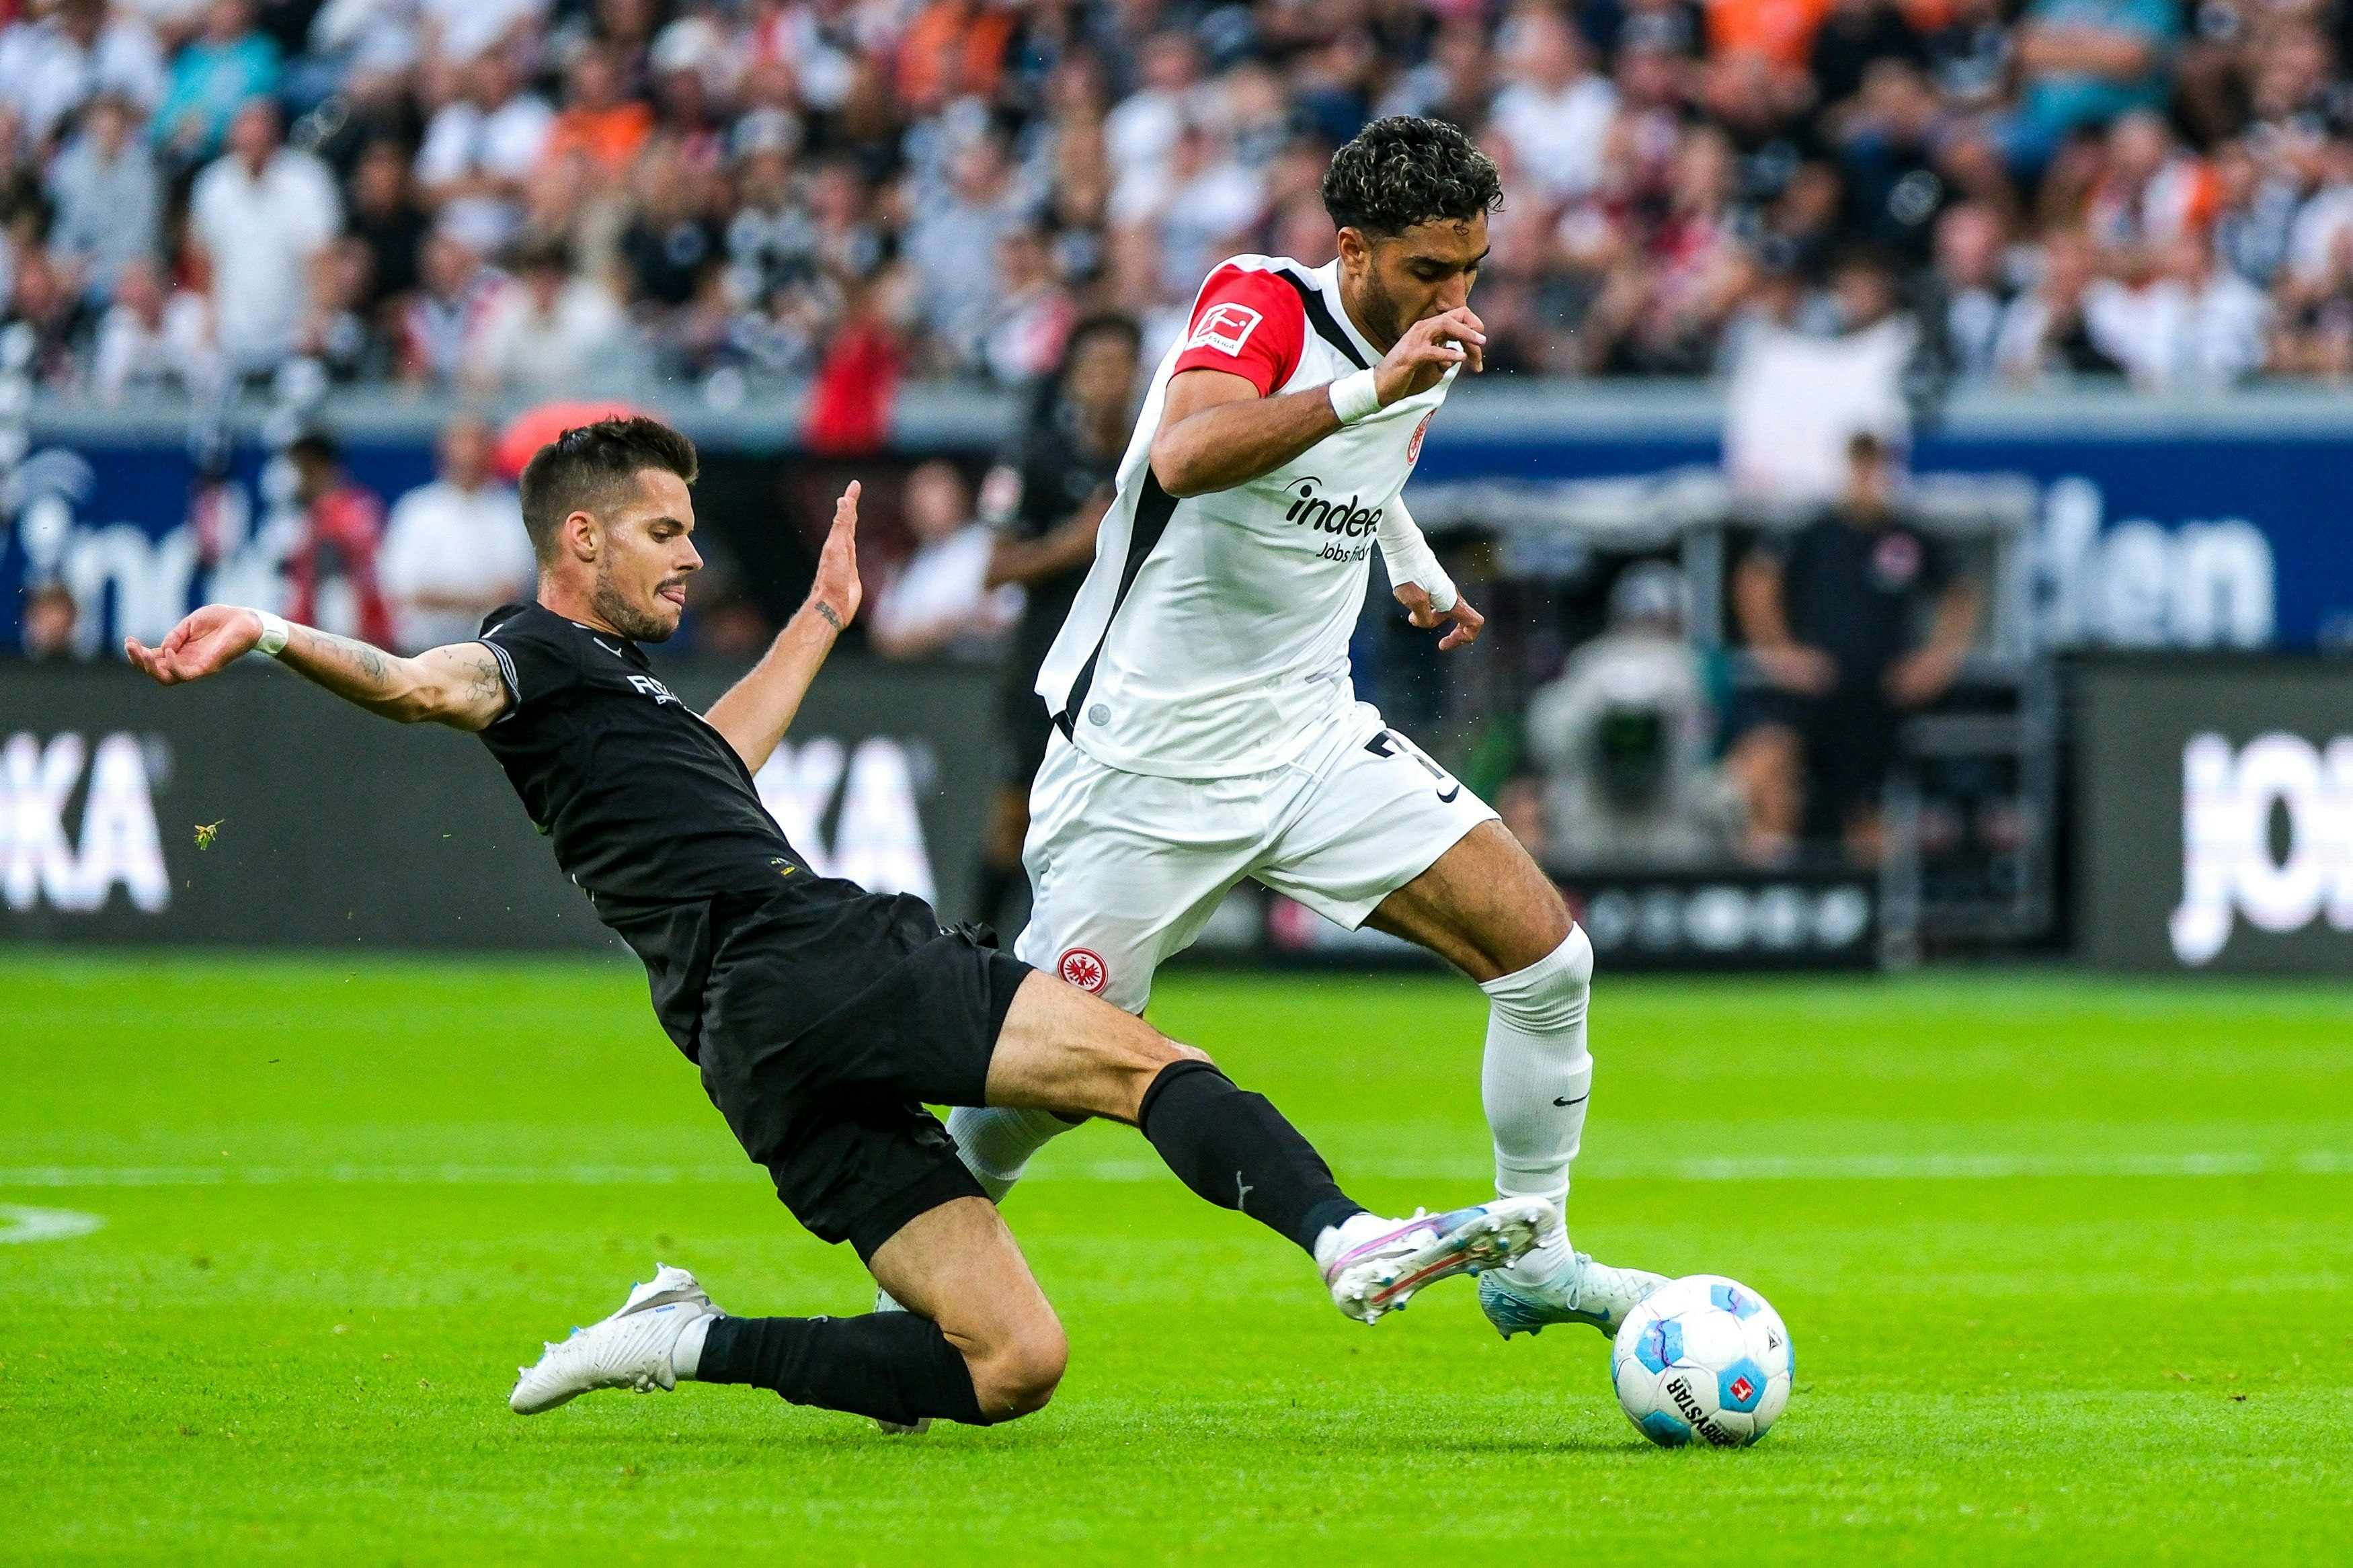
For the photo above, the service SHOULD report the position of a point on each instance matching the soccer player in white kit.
(1209, 730)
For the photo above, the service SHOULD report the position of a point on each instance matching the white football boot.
(628, 1349)
(884, 1302)
(1582, 1291)
(1379, 1264)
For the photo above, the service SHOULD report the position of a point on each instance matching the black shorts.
(1023, 730)
(1849, 739)
(822, 1030)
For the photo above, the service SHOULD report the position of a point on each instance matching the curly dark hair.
(583, 469)
(1403, 171)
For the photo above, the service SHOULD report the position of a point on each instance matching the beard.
(615, 611)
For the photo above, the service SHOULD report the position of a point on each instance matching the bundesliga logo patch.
(1084, 969)
(1225, 328)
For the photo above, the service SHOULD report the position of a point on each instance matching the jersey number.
(1390, 745)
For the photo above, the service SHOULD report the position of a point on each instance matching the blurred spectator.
(226, 66)
(332, 574)
(1624, 738)
(939, 600)
(2045, 331)
(2084, 63)
(53, 65)
(1046, 497)
(439, 321)
(108, 202)
(548, 330)
(1553, 114)
(767, 187)
(454, 550)
(153, 338)
(480, 151)
(261, 217)
(386, 225)
(2197, 324)
(600, 125)
(1969, 288)
(1831, 619)
(46, 622)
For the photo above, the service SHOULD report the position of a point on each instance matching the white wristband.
(1411, 559)
(274, 633)
(1353, 396)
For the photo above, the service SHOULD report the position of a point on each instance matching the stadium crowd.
(522, 196)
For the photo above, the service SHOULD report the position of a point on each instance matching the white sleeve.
(1409, 558)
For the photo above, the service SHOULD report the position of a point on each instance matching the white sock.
(1337, 1238)
(1536, 1081)
(686, 1356)
(995, 1144)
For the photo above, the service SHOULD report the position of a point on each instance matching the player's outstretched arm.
(1217, 432)
(759, 709)
(457, 684)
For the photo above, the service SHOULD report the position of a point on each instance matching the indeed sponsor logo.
(2231, 802)
(1324, 515)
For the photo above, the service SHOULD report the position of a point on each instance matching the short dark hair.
(1102, 323)
(1405, 170)
(314, 447)
(585, 467)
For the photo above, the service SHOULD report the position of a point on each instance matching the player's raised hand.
(1420, 359)
(1423, 614)
(209, 640)
(835, 593)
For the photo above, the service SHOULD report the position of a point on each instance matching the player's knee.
(1019, 1372)
(1550, 994)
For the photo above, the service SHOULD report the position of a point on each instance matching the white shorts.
(1125, 869)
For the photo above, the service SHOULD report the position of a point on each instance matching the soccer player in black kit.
(823, 1017)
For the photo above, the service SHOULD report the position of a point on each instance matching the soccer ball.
(1702, 1357)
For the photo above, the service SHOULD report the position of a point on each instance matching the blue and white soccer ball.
(1702, 1358)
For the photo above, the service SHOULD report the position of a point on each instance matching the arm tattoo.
(483, 683)
(830, 618)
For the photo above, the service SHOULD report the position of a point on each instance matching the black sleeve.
(536, 664)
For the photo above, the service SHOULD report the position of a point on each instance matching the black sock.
(893, 1366)
(1235, 1148)
(993, 886)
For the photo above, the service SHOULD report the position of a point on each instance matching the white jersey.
(1211, 639)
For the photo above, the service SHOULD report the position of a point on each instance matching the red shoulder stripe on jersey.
(1246, 323)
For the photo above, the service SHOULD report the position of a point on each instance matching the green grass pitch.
(2066, 1261)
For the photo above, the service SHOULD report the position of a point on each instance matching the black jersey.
(643, 800)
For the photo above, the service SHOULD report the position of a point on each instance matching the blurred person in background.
(480, 150)
(2195, 325)
(108, 197)
(332, 574)
(387, 226)
(228, 67)
(548, 330)
(1831, 619)
(2082, 63)
(1624, 737)
(438, 321)
(2044, 330)
(940, 600)
(155, 338)
(259, 218)
(68, 52)
(46, 622)
(1045, 498)
(455, 549)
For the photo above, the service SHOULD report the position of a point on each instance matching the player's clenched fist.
(209, 640)
(1429, 349)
